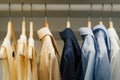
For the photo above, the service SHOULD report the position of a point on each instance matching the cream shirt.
(9, 61)
(32, 64)
(21, 58)
(49, 56)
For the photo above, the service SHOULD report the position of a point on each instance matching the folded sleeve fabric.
(102, 65)
(115, 54)
(71, 64)
(49, 56)
(88, 53)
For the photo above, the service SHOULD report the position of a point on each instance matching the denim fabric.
(71, 64)
(88, 53)
(102, 66)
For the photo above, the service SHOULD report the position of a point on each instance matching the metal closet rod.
(60, 7)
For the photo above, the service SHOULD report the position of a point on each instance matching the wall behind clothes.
(56, 25)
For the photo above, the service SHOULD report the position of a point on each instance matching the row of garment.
(97, 59)
(19, 57)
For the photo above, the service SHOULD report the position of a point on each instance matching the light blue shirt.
(88, 53)
(102, 66)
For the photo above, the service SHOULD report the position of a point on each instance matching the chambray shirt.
(71, 65)
(115, 54)
(102, 66)
(88, 53)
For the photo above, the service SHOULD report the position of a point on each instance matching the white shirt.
(115, 54)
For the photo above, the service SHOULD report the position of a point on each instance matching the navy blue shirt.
(71, 64)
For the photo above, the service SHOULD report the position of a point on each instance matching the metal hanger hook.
(89, 17)
(101, 15)
(22, 11)
(69, 12)
(45, 12)
(10, 10)
(111, 12)
(31, 10)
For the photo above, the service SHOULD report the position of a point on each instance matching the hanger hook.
(31, 9)
(101, 15)
(10, 10)
(45, 12)
(111, 11)
(69, 12)
(22, 11)
(89, 17)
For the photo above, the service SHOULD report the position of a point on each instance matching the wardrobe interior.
(56, 19)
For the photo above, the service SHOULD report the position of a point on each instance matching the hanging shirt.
(49, 56)
(115, 54)
(9, 61)
(32, 67)
(21, 57)
(71, 64)
(102, 66)
(88, 53)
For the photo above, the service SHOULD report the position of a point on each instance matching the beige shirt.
(21, 58)
(9, 62)
(32, 67)
(49, 56)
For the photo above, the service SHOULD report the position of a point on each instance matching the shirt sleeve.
(54, 72)
(88, 52)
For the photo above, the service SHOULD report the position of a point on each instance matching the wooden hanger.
(100, 22)
(31, 29)
(110, 24)
(46, 24)
(24, 27)
(68, 24)
(89, 24)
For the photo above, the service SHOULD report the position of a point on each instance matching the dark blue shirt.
(71, 64)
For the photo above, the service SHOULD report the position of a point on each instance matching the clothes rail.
(59, 8)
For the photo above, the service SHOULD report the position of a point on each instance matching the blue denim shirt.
(88, 53)
(71, 64)
(102, 66)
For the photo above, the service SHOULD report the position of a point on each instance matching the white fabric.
(30, 46)
(115, 54)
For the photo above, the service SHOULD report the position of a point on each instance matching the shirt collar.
(43, 32)
(112, 32)
(6, 42)
(67, 34)
(85, 31)
(100, 26)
